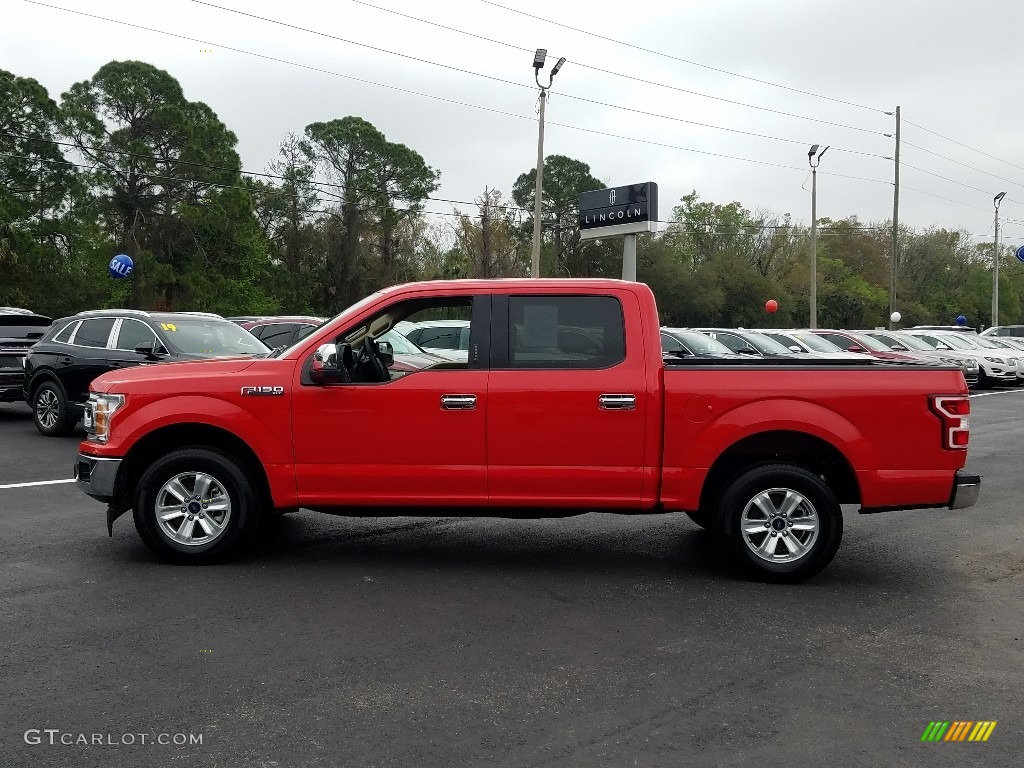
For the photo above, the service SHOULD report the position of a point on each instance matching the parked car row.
(983, 361)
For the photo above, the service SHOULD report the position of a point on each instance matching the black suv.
(19, 330)
(75, 350)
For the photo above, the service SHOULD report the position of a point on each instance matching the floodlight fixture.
(538, 58)
(558, 66)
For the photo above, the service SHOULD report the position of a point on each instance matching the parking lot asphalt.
(599, 640)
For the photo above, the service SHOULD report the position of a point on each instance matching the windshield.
(764, 345)
(914, 342)
(700, 344)
(987, 343)
(816, 343)
(209, 336)
(956, 341)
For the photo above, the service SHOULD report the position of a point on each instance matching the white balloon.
(895, 317)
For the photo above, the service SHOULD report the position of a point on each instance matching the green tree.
(163, 168)
(564, 180)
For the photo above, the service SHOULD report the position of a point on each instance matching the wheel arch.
(177, 436)
(801, 449)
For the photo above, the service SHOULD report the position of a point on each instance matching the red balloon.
(772, 306)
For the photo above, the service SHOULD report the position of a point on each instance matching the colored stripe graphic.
(958, 730)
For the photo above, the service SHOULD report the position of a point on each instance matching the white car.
(901, 341)
(996, 367)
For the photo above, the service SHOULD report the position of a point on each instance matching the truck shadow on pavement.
(660, 545)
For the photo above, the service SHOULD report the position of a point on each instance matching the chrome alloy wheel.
(193, 509)
(779, 525)
(47, 408)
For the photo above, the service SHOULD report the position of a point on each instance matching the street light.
(538, 64)
(995, 263)
(813, 162)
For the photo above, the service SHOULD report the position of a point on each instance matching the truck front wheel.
(779, 523)
(196, 505)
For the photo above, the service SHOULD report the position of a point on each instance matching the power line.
(954, 181)
(965, 146)
(940, 197)
(608, 72)
(965, 165)
(412, 92)
(684, 61)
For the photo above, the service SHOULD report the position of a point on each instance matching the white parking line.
(40, 482)
(1003, 392)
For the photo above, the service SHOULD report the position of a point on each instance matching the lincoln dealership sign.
(618, 210)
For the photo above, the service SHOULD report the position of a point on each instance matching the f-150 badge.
(262, 390)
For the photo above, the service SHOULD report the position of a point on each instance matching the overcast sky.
(950, 65)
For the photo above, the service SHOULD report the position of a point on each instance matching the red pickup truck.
(563, 406)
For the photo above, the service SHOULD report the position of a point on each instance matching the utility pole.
(813, 162)
(538, 194)
(895, 225)
(995, 263)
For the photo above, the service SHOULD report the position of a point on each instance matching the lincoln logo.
(262, 390)
(611, 197)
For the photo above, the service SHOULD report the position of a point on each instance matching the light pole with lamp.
(995, 263)
(813, 162)
(538, 64)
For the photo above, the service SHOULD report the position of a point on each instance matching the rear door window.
(565, 332)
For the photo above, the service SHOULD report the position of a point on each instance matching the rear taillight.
(954, 411)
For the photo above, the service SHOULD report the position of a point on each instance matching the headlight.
(98, 413)
(995, 360)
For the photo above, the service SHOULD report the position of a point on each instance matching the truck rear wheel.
(196, 505)
(779, 523)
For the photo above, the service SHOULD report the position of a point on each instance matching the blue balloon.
(121, 266)
(961, 320)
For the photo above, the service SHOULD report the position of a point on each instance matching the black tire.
(701, 518)
(231, 481)
(817, 507)
(50, 410)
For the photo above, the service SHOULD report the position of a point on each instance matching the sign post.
(620, 211)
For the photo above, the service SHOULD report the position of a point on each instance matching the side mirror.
(387, 353)
(149, 349)
(795, 348)
(898, 348)
(856, 348)
(327, 366)
(747, 351)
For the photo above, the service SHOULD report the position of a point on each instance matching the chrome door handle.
(458, 402)
(617, 402)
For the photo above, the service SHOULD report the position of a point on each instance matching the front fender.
(261, 431)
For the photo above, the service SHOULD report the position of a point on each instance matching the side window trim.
(74, 333)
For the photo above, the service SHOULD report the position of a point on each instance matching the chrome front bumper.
(966, 488)
(97, 476)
